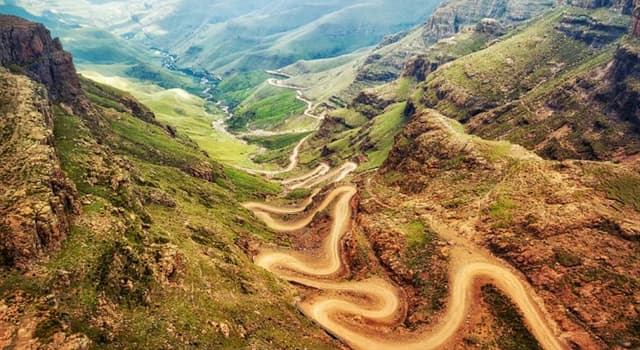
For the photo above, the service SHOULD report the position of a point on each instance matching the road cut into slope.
(381, 302)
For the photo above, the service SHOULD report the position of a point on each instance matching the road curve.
(320, 170)
(293, 162)
(330, 263)
(325, 309)
(299, 96)
(336, 175)
(382, 302)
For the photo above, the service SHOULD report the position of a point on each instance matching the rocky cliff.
(562, 103)
(28, 48)
(622, 6)
(37, 200)
(635, 29)
(455, 16)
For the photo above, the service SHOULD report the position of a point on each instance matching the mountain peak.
(28, 48)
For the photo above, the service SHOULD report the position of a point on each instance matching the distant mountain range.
(226, 36)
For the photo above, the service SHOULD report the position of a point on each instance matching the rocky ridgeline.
(28, 48)
(624, 74)
(37, 200)
(622, 6)
(455, 16)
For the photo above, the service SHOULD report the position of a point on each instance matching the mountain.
(456, 28)
(472, 160)
(116, 230)
(567, 96)
(225, 36)
(469, 181)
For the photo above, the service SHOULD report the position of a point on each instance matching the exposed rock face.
(453, 16)
(419, 67)
(624, 75)
(370, 104)
(623, 6)
(37, 200)
(590, 31)
(28, 48)
(635, 29)
(425, 148)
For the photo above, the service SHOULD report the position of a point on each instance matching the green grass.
(501, 211)
(189, 114)
(349, 117)
(621, 187)
(419, 234)
(298, 194)
(239, 87)
(247, 185)
(510, 326)
(382, 134)
(513, 73)
(109, 244)
(278, 141)
(267, 108)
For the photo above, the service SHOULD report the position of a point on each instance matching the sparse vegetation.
(510, 327)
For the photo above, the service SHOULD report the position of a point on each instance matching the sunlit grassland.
(190, 114)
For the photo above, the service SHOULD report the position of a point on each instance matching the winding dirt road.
(375, 299)
(335, 175)
(299, 96)
(293, 162)
(380, 301)
(320, 170)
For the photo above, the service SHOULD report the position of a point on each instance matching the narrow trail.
(320, 170)
(293, 159)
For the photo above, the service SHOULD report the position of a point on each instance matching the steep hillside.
(119, 233)
(455, 29)
(571, 228)
(565, 94)
(225, 36)
(37, 200)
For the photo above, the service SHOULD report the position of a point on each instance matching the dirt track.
(382, 302)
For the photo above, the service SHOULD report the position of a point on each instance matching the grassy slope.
(190, 114)
(238, 87)
(194, 226)
(522, 84)
(266, 108)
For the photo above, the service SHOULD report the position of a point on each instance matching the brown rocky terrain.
(636, 21)
(27, 47)
(455, 16)
(624, 6)
(37, 200)
(115, 232)
(571, 228)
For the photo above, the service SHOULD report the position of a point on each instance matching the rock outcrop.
(37, 200)
(635, 29)
(28, 48)
(419, 67)
(455, 16)
(622, 6)
(623, 93)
